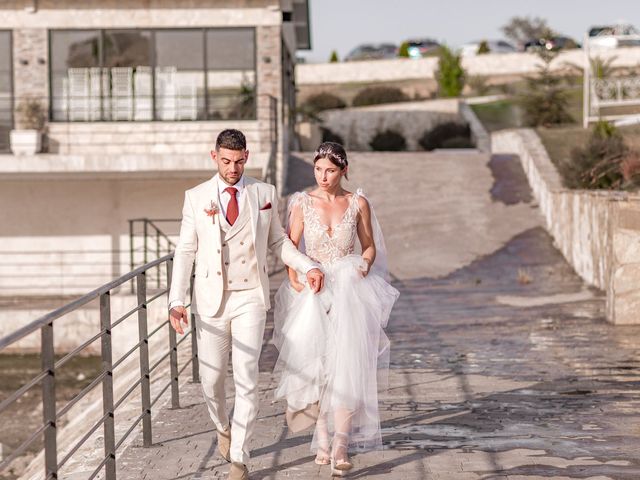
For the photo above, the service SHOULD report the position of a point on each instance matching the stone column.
(30, 65)
(269, 80)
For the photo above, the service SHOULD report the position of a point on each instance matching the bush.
(378, 95)
(334, 57)
(545, 101)
(403, 51)
(450, 74)
(605, 162)
(30, 114)
(483, 48)
(322, 101)
(446, 135)
(388, 141)
(330, 136)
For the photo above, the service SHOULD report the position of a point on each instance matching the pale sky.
(344, 24)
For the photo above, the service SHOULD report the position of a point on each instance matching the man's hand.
(315, 278)
(176, 315)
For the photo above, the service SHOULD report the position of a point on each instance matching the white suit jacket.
(200, 242)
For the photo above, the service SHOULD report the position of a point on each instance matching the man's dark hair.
(232, 139)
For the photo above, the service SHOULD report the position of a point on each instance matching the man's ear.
(214, 155)
(246, 155)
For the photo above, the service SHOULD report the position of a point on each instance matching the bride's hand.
(297, 286)
(365, 267)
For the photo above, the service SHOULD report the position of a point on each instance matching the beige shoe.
(224, 444)
(238, 471)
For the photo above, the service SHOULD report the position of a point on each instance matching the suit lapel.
(214, 225)
(252, 203)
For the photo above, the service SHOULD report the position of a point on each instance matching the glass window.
(231, 73)
(141, 75)
(6, 83)
(179, 74)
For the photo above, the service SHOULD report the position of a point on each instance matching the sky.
(344, 24)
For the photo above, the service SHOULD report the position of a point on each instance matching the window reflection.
(142, 75)
(6, 117)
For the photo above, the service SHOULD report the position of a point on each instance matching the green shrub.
(446, 135)
(329, 135)
(388, 141)
(403, 51)
(450, 74)
(378, 95)
(483, 48)
(334, 57)
(603, 163)
(545, 100)
(322, 101)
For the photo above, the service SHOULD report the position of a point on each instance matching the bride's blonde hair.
(334, 152)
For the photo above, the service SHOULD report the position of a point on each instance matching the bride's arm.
(365, 234)
(296, 228)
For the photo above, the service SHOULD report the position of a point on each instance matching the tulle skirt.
(334, 352)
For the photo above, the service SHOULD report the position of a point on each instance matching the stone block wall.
(598, 232)
(30, 65)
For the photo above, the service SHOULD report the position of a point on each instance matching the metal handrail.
(52, 414)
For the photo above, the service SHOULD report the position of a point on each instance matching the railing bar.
(184, 367)
(81, 395)
(18, 451)
(75, 351)
(131, 428)
(125, 316)
(185, 337)
(160, 360)
(158, 328)
(48, 318)
(166, 290)
(84, 438)
(18, 393)
(126, 355)
(99, 467)
(127, 393)
(164, 389)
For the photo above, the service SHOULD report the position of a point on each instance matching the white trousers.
(237, 326)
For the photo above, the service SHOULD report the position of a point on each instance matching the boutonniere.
(212, 211)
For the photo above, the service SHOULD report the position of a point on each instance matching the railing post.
(145, 244)
(107, 387)
(145, 381)
(195, 365)
(158, 253)
(49, 402)
(131, 247)
(173, 351)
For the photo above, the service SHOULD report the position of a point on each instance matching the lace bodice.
(319, 244)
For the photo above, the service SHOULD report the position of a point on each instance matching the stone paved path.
(502, 364)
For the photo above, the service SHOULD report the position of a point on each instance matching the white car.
(614, 36)
(495, 46)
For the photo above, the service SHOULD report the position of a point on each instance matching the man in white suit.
(228, 222)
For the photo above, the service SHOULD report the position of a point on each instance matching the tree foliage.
(451, 76)
(522, 29)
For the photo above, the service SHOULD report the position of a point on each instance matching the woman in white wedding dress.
(334, 354)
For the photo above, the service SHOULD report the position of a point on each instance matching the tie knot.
(231, 191)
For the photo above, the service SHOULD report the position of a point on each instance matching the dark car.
(552, 44)
(370, 51)
(422, 47)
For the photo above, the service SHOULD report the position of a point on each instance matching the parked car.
(614, 36)
(553, 43)
(422, 47)
(495, 46)
(370, 51)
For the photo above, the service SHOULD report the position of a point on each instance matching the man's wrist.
(175, 303)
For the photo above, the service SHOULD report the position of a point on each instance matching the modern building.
(133, 94)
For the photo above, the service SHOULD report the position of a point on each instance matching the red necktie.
(232, 207)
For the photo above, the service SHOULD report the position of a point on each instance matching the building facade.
(132, 94)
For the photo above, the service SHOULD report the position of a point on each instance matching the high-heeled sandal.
(340, 466)
(323, 456)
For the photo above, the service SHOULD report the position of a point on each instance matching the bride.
(333, 352)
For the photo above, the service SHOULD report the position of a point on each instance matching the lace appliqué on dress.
(321, 246)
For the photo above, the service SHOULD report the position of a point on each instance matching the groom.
(228, 222)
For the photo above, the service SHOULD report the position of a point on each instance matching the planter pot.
(25, 142)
